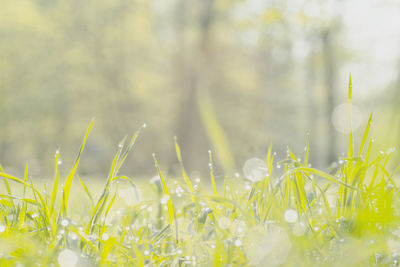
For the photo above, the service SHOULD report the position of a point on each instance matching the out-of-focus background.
(231, 76)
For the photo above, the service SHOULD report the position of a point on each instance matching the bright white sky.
(371, 30)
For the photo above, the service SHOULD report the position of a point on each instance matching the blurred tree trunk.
(193, 70)
(311, 109)
(330, 77)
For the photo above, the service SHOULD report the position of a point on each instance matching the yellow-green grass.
(294, 216)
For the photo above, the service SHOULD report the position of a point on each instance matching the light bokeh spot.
(255, 169)
(340, 118)
(290, 216)
(67, 258)
(267, 245)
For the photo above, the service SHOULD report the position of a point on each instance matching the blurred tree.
(127, 62)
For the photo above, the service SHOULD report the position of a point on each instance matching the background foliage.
(269, 70)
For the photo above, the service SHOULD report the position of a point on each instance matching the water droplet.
(67, 258)
(144, 125)
(59, 162)
(197, 180)
(105, 237)
(290, 216)
(2, 228)
(224, 222)
(64, 222)
(164, 200)
(238, 242)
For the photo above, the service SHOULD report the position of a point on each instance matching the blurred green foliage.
(268, 71)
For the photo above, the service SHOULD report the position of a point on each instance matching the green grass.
(294, 215)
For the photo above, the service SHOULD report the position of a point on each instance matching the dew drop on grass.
(164, 200)
(255, 169)
(290, 216)
(238, 227)
(197, 180)
(2, 228)
(67, 258)
(64, 222)
(224, 222)
(238, 242)
(105, 237)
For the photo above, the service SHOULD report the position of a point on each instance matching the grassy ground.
(274, 214)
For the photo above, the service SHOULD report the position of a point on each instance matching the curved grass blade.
(68, 182)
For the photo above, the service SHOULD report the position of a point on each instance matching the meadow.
(271, 213)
